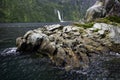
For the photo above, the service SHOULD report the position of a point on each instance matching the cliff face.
(103, 8)
(114, 10)
(42, 10)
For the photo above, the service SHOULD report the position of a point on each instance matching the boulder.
(68, 47)
(52, 27)
(114, 31)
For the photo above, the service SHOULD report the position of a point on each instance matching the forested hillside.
(42, 10)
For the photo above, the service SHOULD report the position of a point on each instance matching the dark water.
(10, 31)
(24, 67)
(27, 67)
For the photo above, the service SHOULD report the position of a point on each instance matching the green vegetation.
(113, 20)
(41, 10)
(85, 25)
(26, 11)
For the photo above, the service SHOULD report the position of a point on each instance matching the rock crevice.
(70, 46)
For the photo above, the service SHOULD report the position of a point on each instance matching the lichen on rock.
(70, 46)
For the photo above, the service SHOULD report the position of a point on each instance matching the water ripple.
(10, 51)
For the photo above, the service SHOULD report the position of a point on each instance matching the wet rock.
(53, 27)
(68, 46)
(34, 38)
(101, 32)
(75, 47)
(76, 33)
(67, 29)
(114, 32)
(20, 43)
(100, 26)
(75, 29)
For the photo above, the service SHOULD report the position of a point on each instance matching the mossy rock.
(85, 25)
(113, 20)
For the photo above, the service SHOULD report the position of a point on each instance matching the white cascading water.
(59, 16)
(9, 51)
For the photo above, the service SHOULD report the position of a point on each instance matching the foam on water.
(10, 51)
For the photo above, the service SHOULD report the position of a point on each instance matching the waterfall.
(59, 16)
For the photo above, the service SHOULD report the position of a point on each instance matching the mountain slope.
(42, 10)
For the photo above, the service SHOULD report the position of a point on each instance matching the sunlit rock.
(52, 27)
(67, 29)
(114, 32)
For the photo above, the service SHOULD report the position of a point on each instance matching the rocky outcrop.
(113, 30)
(96, 11)
(103, 8)
(115, 11)
(71, 46)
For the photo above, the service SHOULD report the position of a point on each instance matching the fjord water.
(25, 67)
(28, 67)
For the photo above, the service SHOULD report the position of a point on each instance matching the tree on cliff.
(42, 10)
